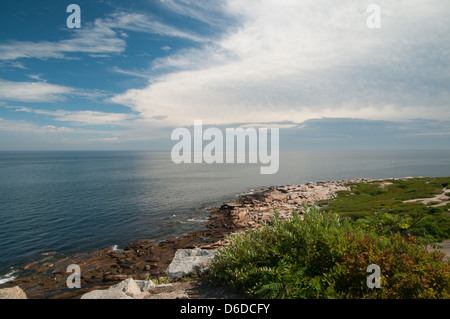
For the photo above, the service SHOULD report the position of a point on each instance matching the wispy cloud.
(94, 38)
(106, 139)
(42, 91)
(36, 77)
(100, 38)
(19, 126)
(134, 73)
(32, 91)
(148, 24)
(211, 12)
(82, 117)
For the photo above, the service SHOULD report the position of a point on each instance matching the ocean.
(71, 202)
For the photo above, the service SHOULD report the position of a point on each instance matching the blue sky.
(138, 69)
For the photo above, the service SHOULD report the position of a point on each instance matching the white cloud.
(82, 117)
(42, 91)
(139, 73)
(95, 38)
(92, 117)
(55, 129)
(36, 77)
(148, 24)
(210, 12)
(32, 91)
(106, 139)
(100, 38)
(295, 60)
(18, 126)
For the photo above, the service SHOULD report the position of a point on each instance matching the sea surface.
(70, 202)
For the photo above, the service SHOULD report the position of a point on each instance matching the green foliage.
(368, 199)
(385, 223)
(408, 271)
(325, 256)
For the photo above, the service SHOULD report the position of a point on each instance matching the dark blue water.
(80, 201)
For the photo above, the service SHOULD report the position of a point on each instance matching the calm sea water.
(80, 201)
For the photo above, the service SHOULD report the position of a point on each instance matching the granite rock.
(190, 261)
(12, 293)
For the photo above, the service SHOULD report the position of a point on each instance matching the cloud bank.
(298, 60)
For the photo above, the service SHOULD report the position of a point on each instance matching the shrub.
(323, 256)
(408, 271)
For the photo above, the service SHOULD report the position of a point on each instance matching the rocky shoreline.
(144, 259)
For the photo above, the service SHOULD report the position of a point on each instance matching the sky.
(136, 70)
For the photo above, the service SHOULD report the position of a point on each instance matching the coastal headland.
(147, 259)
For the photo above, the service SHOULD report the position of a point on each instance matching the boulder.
(145, 285)
(12, 293)
(129, 287)
(105, 294)
(190, 261)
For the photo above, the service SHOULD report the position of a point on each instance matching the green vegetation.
(326, 254)
(366, 200)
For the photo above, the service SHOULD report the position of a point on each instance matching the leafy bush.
(408, 271)
(434, 226)
(323, 256)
